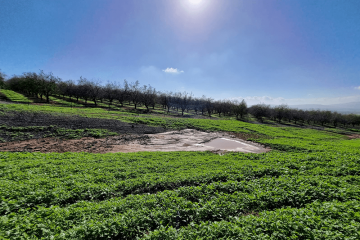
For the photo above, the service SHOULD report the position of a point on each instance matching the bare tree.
(184, 101)
(227, 107)
(353, 119)
(34, 84)
(280, 112)
(135, 93)
(309, 116)
(127, 91)
(162, 99)
(202, 104)
(30, 84)
(83, 89)
(2, 79)
(260, 111)
(343, 120)
(169, 101)
(195, 104)
(218, 107)
(48, 84)
(94, 91)
(110, 92)
(335, 118)
(153, 96)
(76, 91)
(209, 106)
(61, 88)
(67, 88)
(323, 117)
(148, 96)
(297, 115)
(123, 94)
(176, 100)
(239, 109)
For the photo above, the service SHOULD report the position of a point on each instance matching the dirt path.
(184, 140)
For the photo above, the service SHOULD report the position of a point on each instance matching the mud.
(353, 136)
(28, 119)
(184, 140)
(232, 145)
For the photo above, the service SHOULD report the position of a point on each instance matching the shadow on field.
(28, 119)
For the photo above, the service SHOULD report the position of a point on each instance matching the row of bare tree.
(44, 85)
(91, 90)
(283, 112)
(34, 84)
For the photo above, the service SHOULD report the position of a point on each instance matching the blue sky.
(272, 51)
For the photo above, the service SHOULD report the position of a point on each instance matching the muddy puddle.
(184, 140)
(231, 145)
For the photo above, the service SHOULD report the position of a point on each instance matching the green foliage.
(14, 96)
(307, 187)
(65, 103)
(58, 191)
(327, 220)
(49, 108)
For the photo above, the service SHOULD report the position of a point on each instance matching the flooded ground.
(232, 145)
(184, 140)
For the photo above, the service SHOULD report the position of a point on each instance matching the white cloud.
(172, 70)
(357, 88)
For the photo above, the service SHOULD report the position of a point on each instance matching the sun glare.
(195, 2)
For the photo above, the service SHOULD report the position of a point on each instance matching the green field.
(65, 103)
(14, 96)
(307, 187)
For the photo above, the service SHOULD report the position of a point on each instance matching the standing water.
(228, 144)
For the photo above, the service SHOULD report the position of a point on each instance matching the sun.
(195, 2)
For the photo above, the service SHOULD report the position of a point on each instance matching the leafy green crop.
(307, 187)
(14, 96)
(327, 220)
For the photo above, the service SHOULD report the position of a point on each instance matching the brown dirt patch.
(353, 136)
(184, 140)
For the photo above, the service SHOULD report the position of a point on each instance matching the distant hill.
(352, 107)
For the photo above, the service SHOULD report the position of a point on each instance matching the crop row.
(34, 179)
(130, 217)
(327, 220)
(307, 187)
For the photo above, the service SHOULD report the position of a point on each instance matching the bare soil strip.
(353, 136)
(183, 140)
(27, 119)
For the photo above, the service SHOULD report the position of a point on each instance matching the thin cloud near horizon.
(251, 100)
